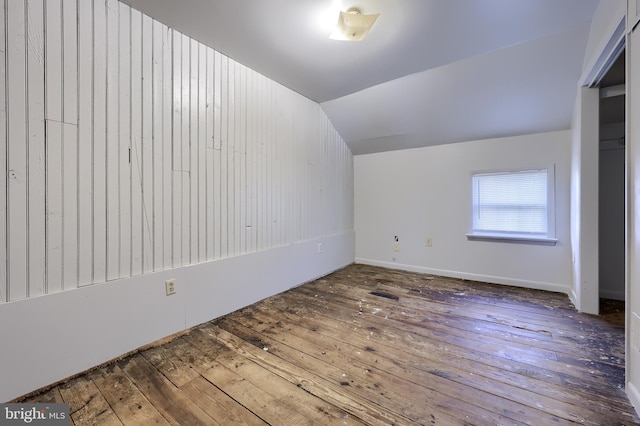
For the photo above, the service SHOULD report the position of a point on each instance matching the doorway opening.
(611, 203)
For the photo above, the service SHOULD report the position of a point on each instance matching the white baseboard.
(560, 288)
(634, 396)
(574, 298)
(49, 338)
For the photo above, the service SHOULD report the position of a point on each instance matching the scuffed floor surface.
(367, 345)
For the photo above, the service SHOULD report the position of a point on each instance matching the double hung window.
(513, 206)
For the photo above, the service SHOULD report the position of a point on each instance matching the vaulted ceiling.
(430, 71)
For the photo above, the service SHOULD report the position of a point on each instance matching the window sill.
(518, 239)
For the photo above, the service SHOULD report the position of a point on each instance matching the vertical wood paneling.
(54, 146)
(37, 152)
(147, 145)
(322, 175)
(274, 169)
(85, 149)
(176, 191)
(53, 54)
(54, 213)
(210, 211)
(70, 61)
(137, 221)
(296, 171)
(300, 167)
(127, 147)
(220, 126)
(193, 149)
(69, 144)
(250, 161)
(202, 154)
(268, 176)
(158, 146)
(286, 160)
(229, 205)
(306, 188)
(17, 150)
(267, 220)
(112, 143)
(124, 129)
(186, 153)
(166, 146)
(281, 149)
(257, 153)
(240, 159)
(284, 168)
(99, 141)
(312, 181)
(69, 207)
(263, 193)
(4, 283)
(254, 158)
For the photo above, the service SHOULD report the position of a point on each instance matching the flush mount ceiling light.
(353, 25)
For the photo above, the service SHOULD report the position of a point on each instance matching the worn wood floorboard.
(368, 345)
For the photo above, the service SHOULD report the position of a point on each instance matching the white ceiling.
(430, 71)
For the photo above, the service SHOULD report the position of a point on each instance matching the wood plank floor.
(367, 345)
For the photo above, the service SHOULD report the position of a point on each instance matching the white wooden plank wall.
(113, 143)
(127, 147)
(99, 143)
(147, 163)
(124, 142)
(36, 156)
(70, 165)
(85, 146)
(3, 157)
(135, 143)
(17, 172)
(54, 147)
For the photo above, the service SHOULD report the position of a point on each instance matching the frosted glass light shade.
(352, 25)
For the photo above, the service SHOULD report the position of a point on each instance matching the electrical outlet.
(170, 286)
(319, 247)
(396, 243)
(428, 242)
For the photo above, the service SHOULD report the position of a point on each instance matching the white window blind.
(511, 203)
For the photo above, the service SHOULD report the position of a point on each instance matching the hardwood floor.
(367, 345)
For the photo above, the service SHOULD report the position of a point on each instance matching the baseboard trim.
(537, 285)
(574, 298)
(634, 396)
(75, 330)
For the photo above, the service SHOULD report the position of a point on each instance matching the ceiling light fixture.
(353, 25)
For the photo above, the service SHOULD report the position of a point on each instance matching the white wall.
(426, 192)
(129, 154)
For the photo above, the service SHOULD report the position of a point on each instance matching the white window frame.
(548, 239)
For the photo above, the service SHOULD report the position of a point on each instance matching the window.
(513, 206)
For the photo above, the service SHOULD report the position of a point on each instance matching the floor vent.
(385, 295)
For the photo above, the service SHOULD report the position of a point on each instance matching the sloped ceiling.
(430, 72)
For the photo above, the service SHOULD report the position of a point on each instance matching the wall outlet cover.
(170, 286)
